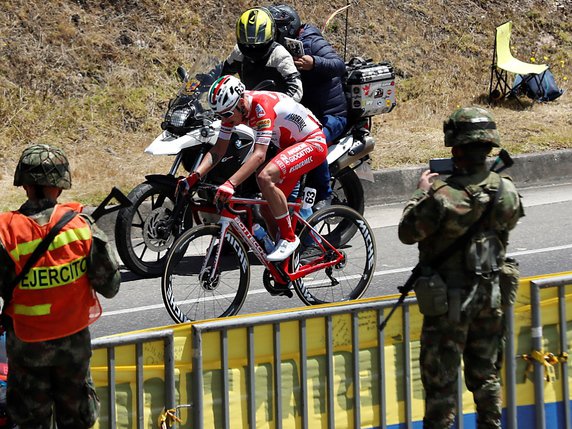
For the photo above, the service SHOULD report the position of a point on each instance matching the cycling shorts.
(298, 159)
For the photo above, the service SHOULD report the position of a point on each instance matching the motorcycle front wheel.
(142, 236)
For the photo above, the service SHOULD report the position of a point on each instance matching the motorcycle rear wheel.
(141, 242)
(347, 190)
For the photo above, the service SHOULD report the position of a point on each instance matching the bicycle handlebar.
(221, 206)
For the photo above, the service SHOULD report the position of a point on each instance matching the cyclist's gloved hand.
(225, 192)
(187, 183)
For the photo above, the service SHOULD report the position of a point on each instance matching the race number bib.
(309, 198)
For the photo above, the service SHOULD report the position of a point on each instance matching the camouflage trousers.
(49, 381)
(478, 337)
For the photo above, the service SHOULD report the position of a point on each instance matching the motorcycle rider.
(321, 70)
(277, 120)
(257, 57)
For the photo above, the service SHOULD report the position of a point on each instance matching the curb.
(398, 184)
(395, 185)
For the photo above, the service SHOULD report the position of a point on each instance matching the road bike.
(208, 269)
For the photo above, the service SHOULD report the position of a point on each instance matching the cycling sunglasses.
(225, 115)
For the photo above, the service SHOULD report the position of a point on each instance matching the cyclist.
(257, 57)
(277, 120)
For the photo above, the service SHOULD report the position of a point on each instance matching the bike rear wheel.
(346, 280)
(189, 290)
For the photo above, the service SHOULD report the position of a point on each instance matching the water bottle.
(306, 212)
(262, 236)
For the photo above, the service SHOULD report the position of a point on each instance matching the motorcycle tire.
(141, 243)
(347, 190)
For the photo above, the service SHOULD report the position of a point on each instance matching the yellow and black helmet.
(255, 33)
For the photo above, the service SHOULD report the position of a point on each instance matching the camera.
(441, 165)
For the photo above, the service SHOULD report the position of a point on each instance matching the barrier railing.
(110, 344)
(331, 367)
(538, 348)
(223, 326)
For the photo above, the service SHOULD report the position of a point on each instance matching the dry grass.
(94, 77)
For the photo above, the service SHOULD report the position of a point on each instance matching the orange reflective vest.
(55, 298)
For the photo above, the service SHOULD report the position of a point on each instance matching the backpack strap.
(463, 239)
(39, 251)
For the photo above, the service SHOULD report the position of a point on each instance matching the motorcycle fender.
(170, 144)
(165, 181)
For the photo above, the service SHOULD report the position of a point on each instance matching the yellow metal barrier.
(324, 367)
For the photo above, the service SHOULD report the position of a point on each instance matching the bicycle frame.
(230, 218)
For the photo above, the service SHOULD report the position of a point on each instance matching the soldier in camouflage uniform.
(464, 317)
(48, 377)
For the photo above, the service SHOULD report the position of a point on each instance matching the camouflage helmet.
(471, 125)
(43, 165)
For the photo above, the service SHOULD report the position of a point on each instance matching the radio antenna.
(346, 35)
(346, 8)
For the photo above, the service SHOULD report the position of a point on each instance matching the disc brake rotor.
(206, 282)
(156, 233)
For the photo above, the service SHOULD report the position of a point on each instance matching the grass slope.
(95, 76)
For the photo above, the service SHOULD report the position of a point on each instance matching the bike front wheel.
(346, 280)
(194, 286)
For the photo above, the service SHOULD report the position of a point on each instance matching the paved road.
(542, 242)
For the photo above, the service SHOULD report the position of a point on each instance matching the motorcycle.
(145, 230)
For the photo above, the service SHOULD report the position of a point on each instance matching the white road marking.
(377, 273)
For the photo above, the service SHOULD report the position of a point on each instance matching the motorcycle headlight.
(178, 117)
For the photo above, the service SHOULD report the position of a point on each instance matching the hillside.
(95, 76)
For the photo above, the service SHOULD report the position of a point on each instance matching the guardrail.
(223, 326)
(330, 366)
(538, 348)
(110, 344)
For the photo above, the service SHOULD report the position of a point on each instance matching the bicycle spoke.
(193, 289)
(347, 279)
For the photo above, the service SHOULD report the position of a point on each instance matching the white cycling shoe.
(283, 249)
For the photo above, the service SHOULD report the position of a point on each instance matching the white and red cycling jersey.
(279, 120)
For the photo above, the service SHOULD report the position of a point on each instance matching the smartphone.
(441, 165)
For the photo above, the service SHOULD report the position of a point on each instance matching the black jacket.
(323, 91)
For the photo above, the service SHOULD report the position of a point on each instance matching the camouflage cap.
(471, 125)
(43, 165)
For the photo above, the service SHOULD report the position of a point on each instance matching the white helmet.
(224, 94)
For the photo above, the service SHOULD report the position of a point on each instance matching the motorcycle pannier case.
(369, 87)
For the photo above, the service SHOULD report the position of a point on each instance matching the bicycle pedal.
(281, 291)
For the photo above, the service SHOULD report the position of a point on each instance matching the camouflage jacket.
(434, 219)
(104, 276)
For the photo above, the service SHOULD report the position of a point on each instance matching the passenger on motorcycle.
(321, 70)
(257, 57)
(278, 120)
